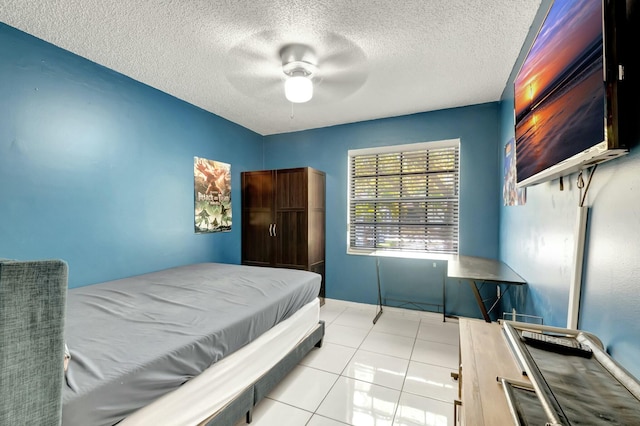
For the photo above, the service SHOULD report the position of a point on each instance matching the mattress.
(198, 399)
(136, 339)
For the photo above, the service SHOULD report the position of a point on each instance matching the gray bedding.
(136, 339)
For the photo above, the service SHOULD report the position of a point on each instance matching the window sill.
(403, 254)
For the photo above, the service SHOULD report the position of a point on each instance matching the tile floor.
(395, 373)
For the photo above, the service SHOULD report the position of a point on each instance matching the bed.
(191, 345)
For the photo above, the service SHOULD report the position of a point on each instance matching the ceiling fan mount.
(302, 68)
(298, 59)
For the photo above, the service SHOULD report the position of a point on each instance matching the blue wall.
(537, 240)
(353, 277)
(97, 169)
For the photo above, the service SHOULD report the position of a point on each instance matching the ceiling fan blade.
(333, 92)
(342, 60)
(340, 84)
(255, 65)
(253, 83)
(269, 94)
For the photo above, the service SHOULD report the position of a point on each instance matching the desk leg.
(379, 292)
(476, 293)
(444, 297)
(502, 293)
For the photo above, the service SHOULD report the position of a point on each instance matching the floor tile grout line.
(395, 413)
(427, 397)
(438, 341)
(410, 359)
(313, 413)
(359, 348)
(404, 381)
(325, 397)
(371, 329)
(340, 375)
(353, 378)
(287, 404)
(325, 417)
(435, 365)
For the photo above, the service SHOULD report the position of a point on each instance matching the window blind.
(405, 200)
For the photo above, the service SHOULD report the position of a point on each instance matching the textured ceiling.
(375, 58)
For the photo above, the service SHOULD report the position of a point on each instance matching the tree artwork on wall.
(512, 195)
(212, 195)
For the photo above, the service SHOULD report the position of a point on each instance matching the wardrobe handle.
(271, 229)
(274, 230)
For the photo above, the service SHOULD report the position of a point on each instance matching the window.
(404, 198)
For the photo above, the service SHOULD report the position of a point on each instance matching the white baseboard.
(336, 304)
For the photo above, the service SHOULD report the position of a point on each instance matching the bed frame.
(250, 397)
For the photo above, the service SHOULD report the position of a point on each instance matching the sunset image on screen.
(560, 89)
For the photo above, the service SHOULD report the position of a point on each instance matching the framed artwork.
(212, 195)
(510, 193)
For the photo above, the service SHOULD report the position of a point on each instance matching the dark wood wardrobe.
(283, 220)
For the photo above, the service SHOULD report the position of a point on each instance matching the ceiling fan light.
(298, 89)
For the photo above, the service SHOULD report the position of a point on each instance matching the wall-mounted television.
(567, 92)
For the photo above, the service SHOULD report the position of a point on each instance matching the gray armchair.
(32, 309)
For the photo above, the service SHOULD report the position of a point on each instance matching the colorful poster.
(511, 194)
(212, 194)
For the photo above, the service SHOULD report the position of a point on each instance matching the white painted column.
(576, 274)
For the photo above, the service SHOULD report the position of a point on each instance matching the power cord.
(581, 185)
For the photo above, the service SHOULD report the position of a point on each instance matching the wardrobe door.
(291, 218)
(258, 218)
(316, 225)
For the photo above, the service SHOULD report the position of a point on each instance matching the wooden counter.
(484, 355)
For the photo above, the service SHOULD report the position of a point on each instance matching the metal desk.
(482, 270)
(408, 255)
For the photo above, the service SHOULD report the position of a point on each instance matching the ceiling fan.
(268, 64)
